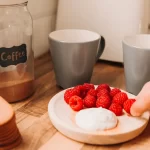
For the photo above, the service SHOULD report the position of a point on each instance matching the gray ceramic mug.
(136, 57)
(74, 53)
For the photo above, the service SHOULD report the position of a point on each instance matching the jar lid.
(12, 2)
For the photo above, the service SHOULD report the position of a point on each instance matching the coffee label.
(13, 56)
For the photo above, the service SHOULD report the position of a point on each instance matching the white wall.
(44, 14)
(112, 19)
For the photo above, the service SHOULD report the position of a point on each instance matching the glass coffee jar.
(16, 54)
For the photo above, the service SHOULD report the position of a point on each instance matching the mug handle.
(101, 48)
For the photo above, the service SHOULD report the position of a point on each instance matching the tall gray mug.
(136, 57)
(74, 53)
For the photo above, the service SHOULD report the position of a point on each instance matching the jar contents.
(15, 90)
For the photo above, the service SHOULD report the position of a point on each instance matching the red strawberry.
(116, 109)
(103, 101)
(92, 92)
(103, 86)
(76, 103)
(120, 98)
(69, 93)
(82, 90)
(127, 105)
(89, 101)
(114, 91)
(88, 86)
(102, 92)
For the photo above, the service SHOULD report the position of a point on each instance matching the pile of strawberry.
(87, 96)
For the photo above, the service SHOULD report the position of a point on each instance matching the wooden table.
(32, 117)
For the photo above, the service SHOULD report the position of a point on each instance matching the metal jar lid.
(12, 2)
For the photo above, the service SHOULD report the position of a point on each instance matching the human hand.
(142, 103)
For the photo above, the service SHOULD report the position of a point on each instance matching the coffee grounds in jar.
(15, 88)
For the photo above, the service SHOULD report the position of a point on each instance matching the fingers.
(142, 103)
(139, 107)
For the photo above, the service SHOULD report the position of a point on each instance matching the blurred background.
(112, 19)
(44, 19)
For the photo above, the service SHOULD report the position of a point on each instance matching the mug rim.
(74, 42)
(124, 41)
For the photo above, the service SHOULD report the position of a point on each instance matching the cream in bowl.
(94, 119)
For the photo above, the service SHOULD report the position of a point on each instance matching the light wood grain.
(32, 117)
(59, 138)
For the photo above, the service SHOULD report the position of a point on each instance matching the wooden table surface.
(35, 126)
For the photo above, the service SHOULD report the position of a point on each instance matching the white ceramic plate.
(62, 117)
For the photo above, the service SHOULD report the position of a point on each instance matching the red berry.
(82, 90)
(114, 91)
(79, 87)
(76, 103)
(120, 98)
(103, 86)
(69, 93)
(116, 109)
(127, 105)
(103, 101)
(102, 92)
(83, 94)
(89, 101)
(88, 86)
(77, 91)
(92, 92)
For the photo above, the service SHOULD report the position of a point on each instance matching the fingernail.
(135, 114)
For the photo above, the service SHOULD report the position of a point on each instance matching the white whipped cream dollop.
(93, 119)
